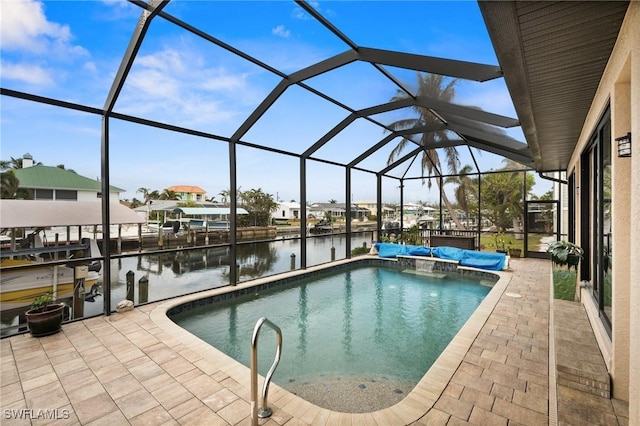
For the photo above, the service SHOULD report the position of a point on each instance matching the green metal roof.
(46, 177)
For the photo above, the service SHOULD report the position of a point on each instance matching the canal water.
(178, 273)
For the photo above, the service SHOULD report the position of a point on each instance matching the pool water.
(370, 331)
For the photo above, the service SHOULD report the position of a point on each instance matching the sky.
(71, 51)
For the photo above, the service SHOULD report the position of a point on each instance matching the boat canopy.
(208, 211)
(45, 213)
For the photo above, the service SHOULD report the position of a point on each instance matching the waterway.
(171, 274)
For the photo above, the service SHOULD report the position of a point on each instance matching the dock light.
(624, 145)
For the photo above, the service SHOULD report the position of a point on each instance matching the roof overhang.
(207, 211)
(42, 213)
(553, 55)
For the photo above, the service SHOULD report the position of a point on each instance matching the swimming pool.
(357, 340)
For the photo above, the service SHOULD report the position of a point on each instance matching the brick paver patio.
(132, 368)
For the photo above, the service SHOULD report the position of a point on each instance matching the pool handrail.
(264, 410)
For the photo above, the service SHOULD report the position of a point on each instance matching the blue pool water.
(366, 327)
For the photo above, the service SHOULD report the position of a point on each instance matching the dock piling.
(130, 285)
(143, 290)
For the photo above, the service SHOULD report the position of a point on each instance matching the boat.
(321, 227)
(216, 224)
(30, 267)
(26, 275)
(426, 222)
(391, 228)
(20, 286)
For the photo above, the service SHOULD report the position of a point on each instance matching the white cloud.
(24, 26)
(221, 80)
(31, 74)
(167, 60)
(31, 44)
(281, 31)
(170, 73)
(179, 85)
(154, 83)
(90, 66)
(300, 13)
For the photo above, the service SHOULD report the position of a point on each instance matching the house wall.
(114, 197)
(620, 87)
(191, 196)
(287, 211)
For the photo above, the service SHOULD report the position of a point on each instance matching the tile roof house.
(189, 192)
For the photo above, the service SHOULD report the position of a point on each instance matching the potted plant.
(45, 316)
(513, 251)
(499, 242)
(565, 253)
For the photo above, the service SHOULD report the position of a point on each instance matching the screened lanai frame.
(474, 128)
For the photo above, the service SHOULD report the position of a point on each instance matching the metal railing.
(264, 410)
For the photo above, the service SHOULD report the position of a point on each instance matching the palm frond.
(395, 152)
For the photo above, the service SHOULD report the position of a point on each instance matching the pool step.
(438, 275)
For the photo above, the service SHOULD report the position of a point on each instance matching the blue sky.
(71, 50)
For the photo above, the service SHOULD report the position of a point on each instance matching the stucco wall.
(620, 86)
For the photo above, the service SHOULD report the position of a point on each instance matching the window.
(66, 195)
(44, 194)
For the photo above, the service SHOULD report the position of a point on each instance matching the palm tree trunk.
(446, 201)
(452, 213)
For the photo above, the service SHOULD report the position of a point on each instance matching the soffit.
(553, 55)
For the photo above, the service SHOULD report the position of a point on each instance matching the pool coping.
(415, 405)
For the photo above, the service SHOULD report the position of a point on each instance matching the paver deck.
(134, 368)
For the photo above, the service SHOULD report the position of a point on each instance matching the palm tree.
(432, 86)
(502, 194)
(135, 203)
(9, 184)
(465, 184)
(14, 164)
(225, 194)
(168, 194)
(145, 194)
(259, 204)
(61, 166)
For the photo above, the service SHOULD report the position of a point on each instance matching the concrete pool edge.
(287, 405)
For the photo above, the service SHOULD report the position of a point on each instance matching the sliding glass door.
(596, 207)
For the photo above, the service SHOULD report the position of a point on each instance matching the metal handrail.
(264, 410)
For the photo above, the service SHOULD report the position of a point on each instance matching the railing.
(264, 410)
(468, 233)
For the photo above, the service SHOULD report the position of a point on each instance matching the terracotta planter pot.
(45, 322)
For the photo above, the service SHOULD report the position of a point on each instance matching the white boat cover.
(44, 213)
(208, 211)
